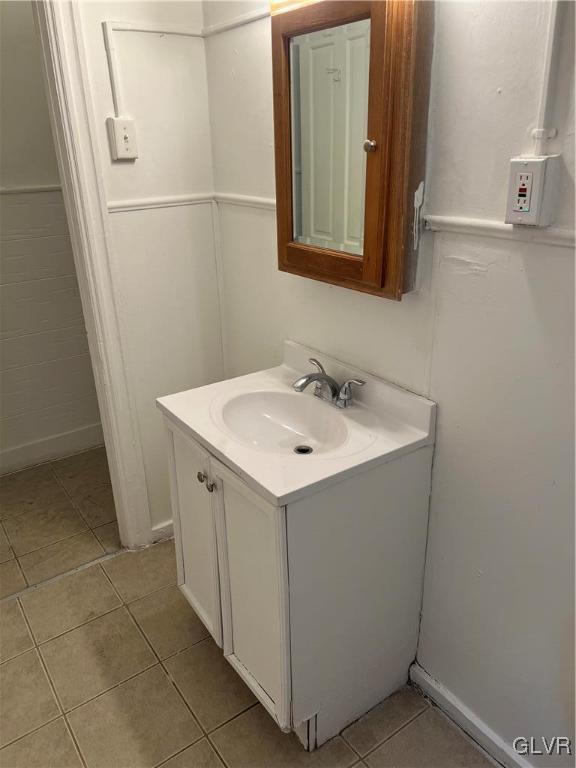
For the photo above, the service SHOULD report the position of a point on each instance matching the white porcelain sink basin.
(254, 423)
(285, 422)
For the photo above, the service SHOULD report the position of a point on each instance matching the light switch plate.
(122, 138)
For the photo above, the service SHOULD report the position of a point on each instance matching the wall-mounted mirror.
(351, 82)
(329, 100)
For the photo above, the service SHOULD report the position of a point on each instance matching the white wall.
(163, 255)
(47, 397)
(26, 151)
(489, 336)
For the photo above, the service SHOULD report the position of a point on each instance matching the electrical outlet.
(122, 138)
(533, 190)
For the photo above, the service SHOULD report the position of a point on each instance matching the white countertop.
(384, 423)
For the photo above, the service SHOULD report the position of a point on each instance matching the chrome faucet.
(326, 387)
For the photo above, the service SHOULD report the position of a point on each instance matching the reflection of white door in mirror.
(329, 78)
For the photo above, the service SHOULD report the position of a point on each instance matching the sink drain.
(303, 449)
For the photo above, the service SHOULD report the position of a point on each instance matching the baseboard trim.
(162, 531)
(53, 447)
(476, 728)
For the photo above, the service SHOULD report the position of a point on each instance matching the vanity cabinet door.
(195, 532)
(253, 575)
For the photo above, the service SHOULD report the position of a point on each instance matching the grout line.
(108, 690)
(41, 643)
(103, 559)
(48, 678)
(114, 588)
(60, 482)
(395, 733)
(32, 638)
(179, 752)
(188, 707)
(234, 717)
(215, 748)
(29, 733)
(75, 741)
(15, 594)
(3, 530)
(58, 541)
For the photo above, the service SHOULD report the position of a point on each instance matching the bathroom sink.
(285, 444)
(285, 422)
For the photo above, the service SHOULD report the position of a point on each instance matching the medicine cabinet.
(351, 86)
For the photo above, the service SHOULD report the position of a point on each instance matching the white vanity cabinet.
(195, 532)
(315, 604)
(307, 569)
(232, 568)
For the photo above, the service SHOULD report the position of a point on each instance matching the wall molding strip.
(26, 190)
(248, 201)
(163, 201)
(476, 728)
(239, 21)
(491, 228)
(196, 198)
(161, 29)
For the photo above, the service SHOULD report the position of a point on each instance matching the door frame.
(73, 123)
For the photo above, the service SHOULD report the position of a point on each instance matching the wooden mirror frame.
(399, 84)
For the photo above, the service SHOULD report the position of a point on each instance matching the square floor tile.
(211, 687)
(45, 563)
(135, 574)
(30, 490)
(81, 470)
(93, 658)
(254, 739)
(69, 602)
(6, 552)
(11, 578)
(26, 699)
(14, 634)
(33, 530)
(49, 747)
(385, 719)
(96, 505)
(429, 741)
(168, 621)
(109, 537)
(136, 725)
(199, 755)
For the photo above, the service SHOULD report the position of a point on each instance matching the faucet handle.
(317, 363)
(345, 394)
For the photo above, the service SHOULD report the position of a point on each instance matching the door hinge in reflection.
(418, 200)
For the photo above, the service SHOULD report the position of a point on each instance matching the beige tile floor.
(55, 517)
(108, 667)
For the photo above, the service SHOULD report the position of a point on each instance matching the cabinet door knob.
(210, 487)
(370, 145)
(201, 477)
